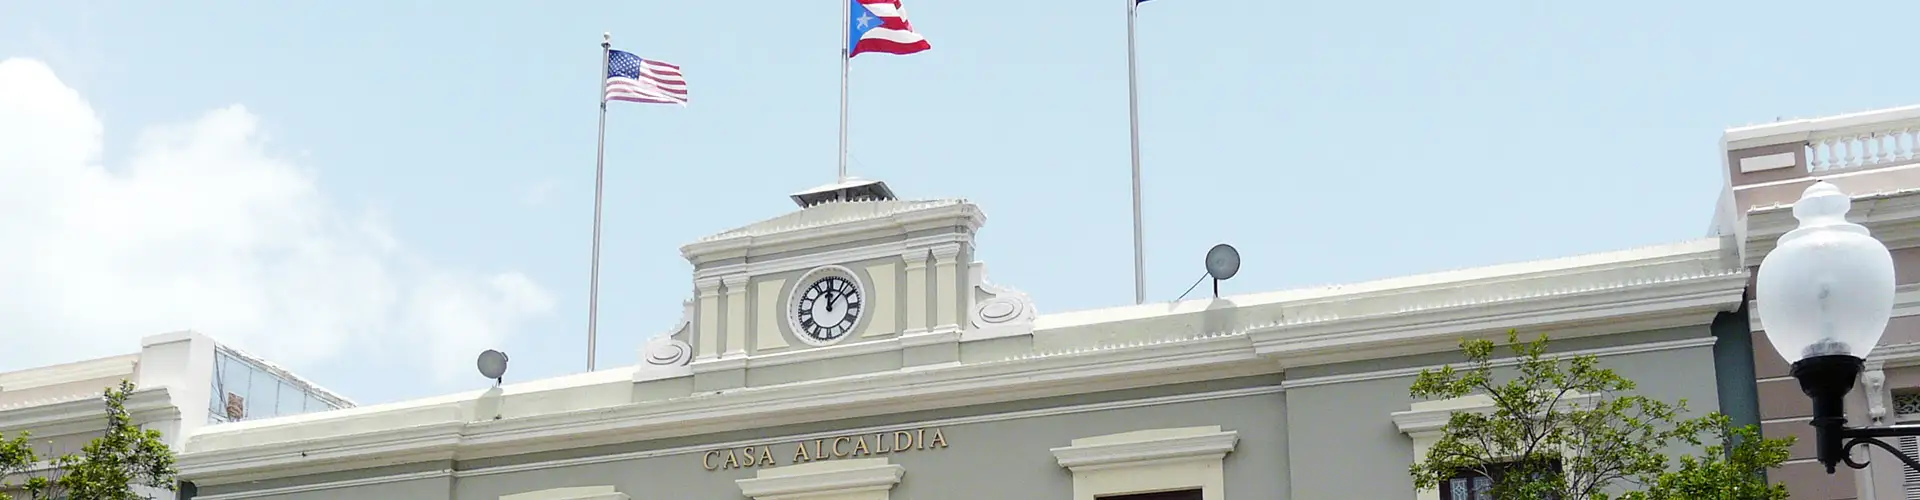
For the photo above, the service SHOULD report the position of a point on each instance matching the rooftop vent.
(852, 189)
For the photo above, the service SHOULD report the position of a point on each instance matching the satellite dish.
(1223, 262)
(493, 364)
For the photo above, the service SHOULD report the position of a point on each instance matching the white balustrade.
(1876, 138)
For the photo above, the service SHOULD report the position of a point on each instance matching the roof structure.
(1684, 283)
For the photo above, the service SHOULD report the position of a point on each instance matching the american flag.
(881, 26)
(632, 79)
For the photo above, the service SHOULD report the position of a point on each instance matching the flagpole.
(1133, 119)
(599, 176)
(846, 14)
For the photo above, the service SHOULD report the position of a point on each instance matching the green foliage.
(1729, 468)
(108, 468)
(1566, 428)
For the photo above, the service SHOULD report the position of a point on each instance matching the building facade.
(856, 350)
(184, 381)
(1871, 156)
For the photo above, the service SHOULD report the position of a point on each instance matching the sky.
(371, 193)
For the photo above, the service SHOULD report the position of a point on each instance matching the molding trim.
(86, 413)
(602, 492)
(1505, 362)
(122, 366)
(1190, 458)
(908, 216)
(949, 422)
(833, 477)
(1591, 311)
(1768, 162)
(853, 348)
(1134, 448)
(289, 490)
(1894, 356)
(839, 256)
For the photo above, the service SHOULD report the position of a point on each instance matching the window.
(1469, 484)
(1424, 422)
(1906, 412)
(1164, 495)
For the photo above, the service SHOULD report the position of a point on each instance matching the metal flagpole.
(1133, 119)
(846, 15)
(599, 176)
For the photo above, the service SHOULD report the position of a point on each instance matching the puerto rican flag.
(881, 26)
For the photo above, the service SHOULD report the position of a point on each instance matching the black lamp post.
(1825, 294)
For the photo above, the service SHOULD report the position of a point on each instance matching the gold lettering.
(939, 439)
(828, 448)
(900, 444)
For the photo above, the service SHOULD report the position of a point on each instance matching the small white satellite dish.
(493, 365)
(1223, 262)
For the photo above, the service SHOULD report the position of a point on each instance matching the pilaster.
(881, 320)
(707, 293)
(946, 287)
(916, 290)
(736, 316)
(767, 335)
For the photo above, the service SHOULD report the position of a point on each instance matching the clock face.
(827, 310)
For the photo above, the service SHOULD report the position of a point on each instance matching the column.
(916, 291)
(707, 328)
(736, 324)
(946, 286)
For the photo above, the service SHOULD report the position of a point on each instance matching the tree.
(1565, 428)
(1728, 468)
(108, 468)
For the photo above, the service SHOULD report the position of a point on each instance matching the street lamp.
(1825, 294)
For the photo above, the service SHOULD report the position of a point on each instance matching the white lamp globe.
(1827, 289)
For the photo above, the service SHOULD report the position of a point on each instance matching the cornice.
(94, 369)
(321, 455)
(859, 475)
(1622, 350)
(1432, 416)
(1893, 218)
(1592, 310)
(1191, 446)
(913, 216)
(761, 266)
(742, 409)
(351, 483)
(82, 415)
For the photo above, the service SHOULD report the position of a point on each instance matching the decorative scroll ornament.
(1005, 311)
(668, 351)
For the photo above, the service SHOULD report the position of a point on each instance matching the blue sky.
(1330, 141)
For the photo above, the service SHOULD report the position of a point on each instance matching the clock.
(826, 306)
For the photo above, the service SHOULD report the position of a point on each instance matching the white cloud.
(200, 228)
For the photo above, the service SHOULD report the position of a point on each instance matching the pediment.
(834, 219)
